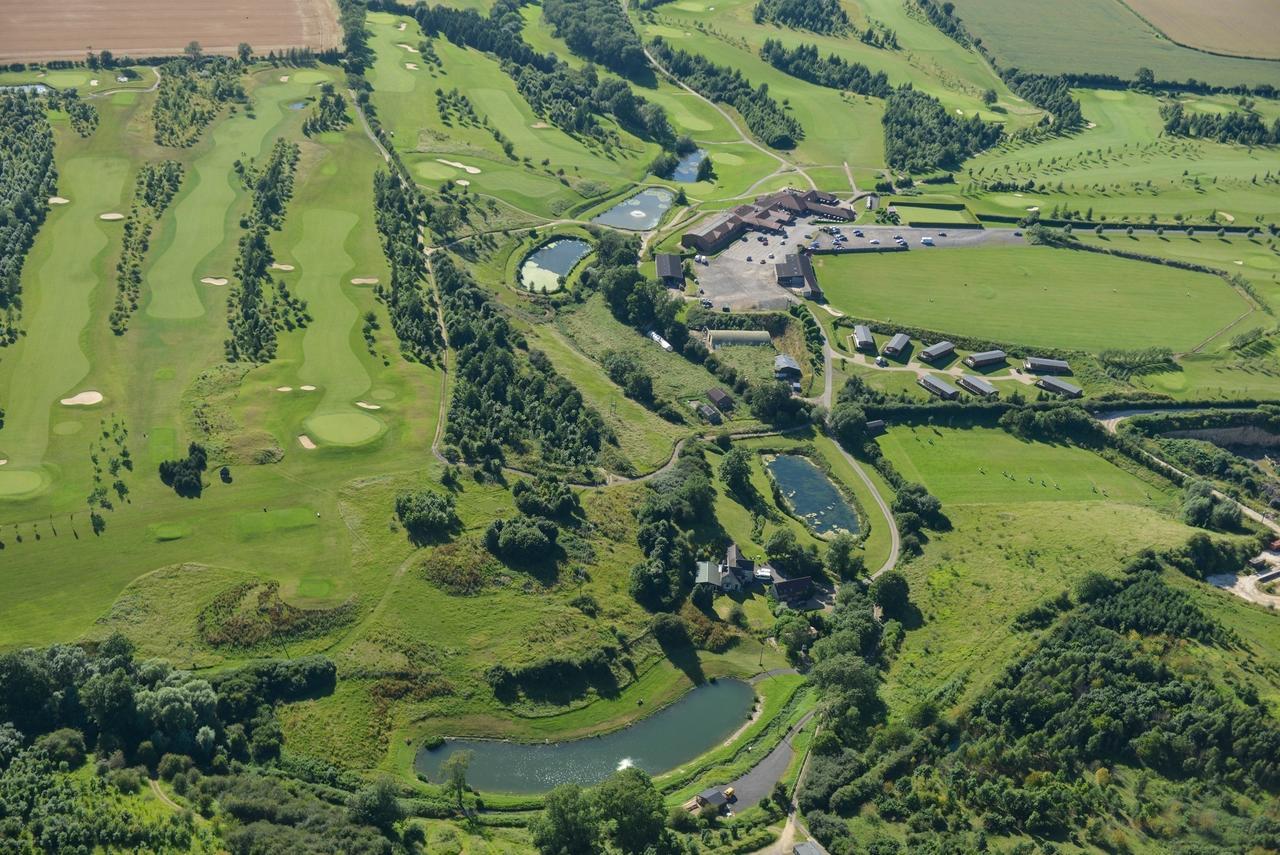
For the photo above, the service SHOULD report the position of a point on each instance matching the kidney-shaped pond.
(676, 734)
(542, 270)
(811, 494)
(640, 212)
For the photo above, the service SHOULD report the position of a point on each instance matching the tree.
(569, 823)
(1145, 77)
(735, 471)
(245, 52)
(783, 548)
(842, 562)
(193, 51)
(989, 97)
(376, 804)
(426, 514)
(848, 423)
(633, 810)
(454, 774)
(890, 592)
(793, 632)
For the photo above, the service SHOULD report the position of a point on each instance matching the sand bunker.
(1091, 125)
(1239, 262)
(3, 461)
(470, 170)
(214, 280)
(409, 48)
(58, 200)
(1228, 217)
(366, 406)
(111, 216)
(462, 182)
(93, 83)
(84, 399)
(278, 266)
(1033, 207)
(305, 442)
(284, 388)
(307, 388)
(284, 78)
(412, 66)
(539, 126)
(364, 280)
(403, 25)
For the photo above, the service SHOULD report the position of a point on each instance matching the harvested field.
(1236, 27)
(148, 27)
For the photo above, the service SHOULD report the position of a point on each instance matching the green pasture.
(1027, 520)
(1034, 295)
(1098, 37)
(1124, 168)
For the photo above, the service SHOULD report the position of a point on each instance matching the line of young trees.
(28, 177)
(832, 71)
(920, 135)
(766, 118)
(153, 189)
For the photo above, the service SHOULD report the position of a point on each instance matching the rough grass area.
(1036, 296)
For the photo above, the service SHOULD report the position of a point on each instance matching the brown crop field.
(67, 29)
(1236, 27)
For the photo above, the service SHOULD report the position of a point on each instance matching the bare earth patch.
(64, 30)
(83, 399)
(213, 280)
(305, 442)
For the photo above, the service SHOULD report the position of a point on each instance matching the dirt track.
(69, 28)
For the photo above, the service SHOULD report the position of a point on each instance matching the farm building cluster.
(737, 573)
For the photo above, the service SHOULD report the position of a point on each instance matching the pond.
(542, 270)
(640, 212)
(687, 168)
(676, 734)
(812, 495)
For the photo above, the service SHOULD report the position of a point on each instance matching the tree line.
(330, 113)
(820, 16)
(504, 402)
(766, 118)
(153, 190)
(920, 135)
(600, 31)
(413, 318)
(28, 177)
(1234, 126)
(190, 94)
(832, 71)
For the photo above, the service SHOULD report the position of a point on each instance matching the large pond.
(640, 212)
(811, 494)
(687, 168)
(542, 270)
(676, 734)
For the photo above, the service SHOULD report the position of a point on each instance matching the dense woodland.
(1231, 127)
(507, 398)
(28, 177)
(153, 189)
(832, 71)
(190, 94)
(765, 117)
(600, 31)
(920, 135)
(412, 318)
(820, 16)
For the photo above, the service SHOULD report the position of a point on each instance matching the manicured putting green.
(343, 428)
(15, 483)
(254, 524)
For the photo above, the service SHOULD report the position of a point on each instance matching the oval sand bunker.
(364, 405)
(364, 280)
(305, 442)
(111, 217)
(58, 200)
(84, 399)
(214, 280)
(278, 266)
(284, 388)
(307, 388)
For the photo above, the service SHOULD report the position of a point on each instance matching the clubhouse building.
(768, 214)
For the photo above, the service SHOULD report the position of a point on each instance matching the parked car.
(706, 304)
(881, 361)
(942, 234)
(748, 258)
(1017, 234)
(857, 232)
(875, 241)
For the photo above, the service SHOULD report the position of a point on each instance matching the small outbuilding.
(723, 400)
(1060, 387)
(786, 368)
(941, 388)
(863, 340)
(709, 413)
(978, 386)
(670, 269)
(792, 591)
(1040, 365)
(875, 427)
(899, 343)
(720, 338)
(934, 352)
(985, 358)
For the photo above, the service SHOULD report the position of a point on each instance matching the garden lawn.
(1034, 296)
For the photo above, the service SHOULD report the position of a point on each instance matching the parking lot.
(742, 277)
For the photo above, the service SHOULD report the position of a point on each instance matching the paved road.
(757, 784)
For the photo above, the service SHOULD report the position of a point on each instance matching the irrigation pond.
(811, 494)
(638, 213)
(543, 268)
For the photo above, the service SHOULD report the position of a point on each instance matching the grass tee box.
(69, 28)
(1034, 296)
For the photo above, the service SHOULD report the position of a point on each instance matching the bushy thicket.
(426, 514)
(675, 501)
(1231, 127)
(28, 177)
(820, 16)
(185, 474)
(920, 135)
(832, 71)
(600, 31)
(764, 116)
(413, 318)
(502, 401)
